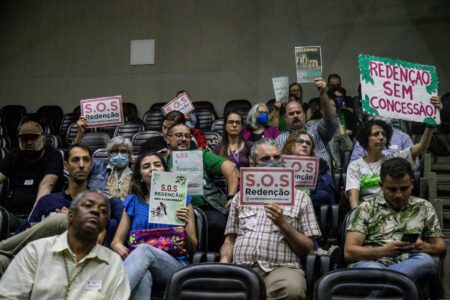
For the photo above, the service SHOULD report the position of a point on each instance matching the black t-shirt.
(25, 178)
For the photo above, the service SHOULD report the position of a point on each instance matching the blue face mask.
(119, 160)
(191, 123)
(263, 118)
(339, 101)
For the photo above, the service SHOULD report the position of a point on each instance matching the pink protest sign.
(182, 103)
(398, 89)
(100, 112)
(306, 170)
(261, 186)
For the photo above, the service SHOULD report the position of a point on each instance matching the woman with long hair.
(146, 264)
(233, 145)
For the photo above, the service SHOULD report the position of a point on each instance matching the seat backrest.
(215, 281)
(52, 141)
(201, 226)
(157, 106)
(205, 118)
(95, 140)
(217, 126)
(11, 116)
(101, 154)
(212, 138)
(5, 142)
(242, 106)
(130, 112)
(205, 105)
(127, 130)
(141, 137)
(366, 284)
(67, 120)
(52, 114)
(153, 120)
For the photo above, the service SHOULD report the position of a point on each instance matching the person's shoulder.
(420, 201)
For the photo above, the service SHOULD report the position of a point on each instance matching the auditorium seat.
(205, 118)
(130, 112)
(95, 140)
(52, 114)
(67, 120)
(212, 138)
(11, 116)
(242, 106)
(153, 120)
(53, 141)
(127, 130)
(217, 126)
(101, 154)
(141, 137)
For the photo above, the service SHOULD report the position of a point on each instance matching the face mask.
(262, 118)
(192, 122)
(119, 160)
(339, 101)
(31, 154)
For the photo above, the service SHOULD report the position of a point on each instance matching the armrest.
(312, 268)
(201, 257)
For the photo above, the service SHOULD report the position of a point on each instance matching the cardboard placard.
(260, 186)
(190, 163)
(281, 88)
(182, 103)
(100, 112)
(306, 170)
(168, 193)
(398, 89)
(308, 62)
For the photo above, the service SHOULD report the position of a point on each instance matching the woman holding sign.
(302, 144)
(363, 174)
(147, 264)
(233, 147)
(258, 125)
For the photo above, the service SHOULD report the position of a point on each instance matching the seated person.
(53, 208)
(258, 125)
(213, 200)
(146, 264)
(321, 130)
(271, 238)
(41, 269)
(33, 171)
(363, 174)
(159, 144)
(112, 177)
(377, 228)
(302, 144)
(233, 147)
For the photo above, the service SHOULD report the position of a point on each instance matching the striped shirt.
(260, 241)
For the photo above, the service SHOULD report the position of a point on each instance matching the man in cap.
(33, 171)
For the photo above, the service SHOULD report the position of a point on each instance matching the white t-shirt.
(364, 176)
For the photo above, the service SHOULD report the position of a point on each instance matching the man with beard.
(71, 265)
(321, 130)
(270, 239)
(33, 171)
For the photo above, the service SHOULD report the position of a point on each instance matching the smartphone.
(410, 237)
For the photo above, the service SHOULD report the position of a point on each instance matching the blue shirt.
(138, 210)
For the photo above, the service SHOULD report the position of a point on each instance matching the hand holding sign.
(100, 112)
(275, 214)
(306, 170)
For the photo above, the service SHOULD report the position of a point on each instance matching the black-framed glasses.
(234, 122)
(300, 142)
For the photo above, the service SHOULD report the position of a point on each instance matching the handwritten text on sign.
(182, 103)
(398, 89)
(101, 112)
(168, 193)
(281, 88)
(261, 186)
(190, 162)
(306, 170)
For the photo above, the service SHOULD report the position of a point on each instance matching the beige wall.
(58, 52)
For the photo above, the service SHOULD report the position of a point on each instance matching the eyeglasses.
(179, 136)
(300, 142)
(268, 157)
(233, 122)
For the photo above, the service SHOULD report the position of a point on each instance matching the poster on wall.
(100, 112)
(398, 89)
(308, 62)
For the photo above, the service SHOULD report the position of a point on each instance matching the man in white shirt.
(72, 265)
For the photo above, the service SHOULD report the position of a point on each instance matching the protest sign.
(261, 186)
(190, 162)
(306, 170)
(281, 88)
(308, 61)
(398, 89)
(100, 112)
(168, 193)
(181, 103)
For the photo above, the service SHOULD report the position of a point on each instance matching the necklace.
(70, 281)
(368, 164)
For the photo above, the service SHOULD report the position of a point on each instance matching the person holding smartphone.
(395, 230)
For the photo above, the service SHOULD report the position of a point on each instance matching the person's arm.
(300, 243)
(186, 214)
(274, 116)
(423, 144)
(231, 174)
(328, 109)
(433, 246)
(81, 125)
(46, 185)
(353, 198)
(118, 242)
(354, 251)
(226, 251)
(352, 185)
